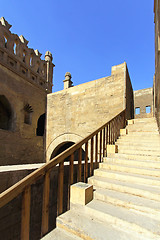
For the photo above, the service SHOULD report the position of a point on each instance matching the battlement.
(24, 61)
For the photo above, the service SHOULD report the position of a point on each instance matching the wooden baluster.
(91, 163)
(114, 131)
(104, 150)
(106, 138)
(86, 162)
(79, 164)
(109, 132)
(71, 168)
(96, 148)
(25, 214)
(100, 147)
(45, 206)
(60, 187)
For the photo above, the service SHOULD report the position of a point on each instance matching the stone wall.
(75, 112)
(156, 87)
(25, 80)
(143, 102)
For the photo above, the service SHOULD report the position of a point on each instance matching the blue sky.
(88, 37)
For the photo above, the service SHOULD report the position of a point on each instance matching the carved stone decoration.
(28, 108)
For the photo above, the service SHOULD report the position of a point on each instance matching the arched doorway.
(61, 148)
(41, 125)
(5, 113)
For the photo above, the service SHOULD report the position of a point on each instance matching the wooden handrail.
(108, 133)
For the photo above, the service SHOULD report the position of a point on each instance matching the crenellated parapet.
(25, 61)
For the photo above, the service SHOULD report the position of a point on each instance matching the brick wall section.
(142, 99)
(75, 112)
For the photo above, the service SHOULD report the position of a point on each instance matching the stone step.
(134, 157)
(144, 120)
(140, 204)
(127, 177)
(147, 133)
(138, 163)
(130, 169)
(139, 148)
(138, 152)
(82, 222)
(149, 145)
(121, 217)
(60, 234)
(146, 191)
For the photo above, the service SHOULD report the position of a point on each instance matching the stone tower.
(25, 80)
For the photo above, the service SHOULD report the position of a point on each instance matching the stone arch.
(67, 137)
(41, 125)
(6, 114)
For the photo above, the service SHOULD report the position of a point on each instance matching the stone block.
(123, 131)
(112, 149)
(130, 122)
(81, 193)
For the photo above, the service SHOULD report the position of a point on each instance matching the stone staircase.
(126, 204)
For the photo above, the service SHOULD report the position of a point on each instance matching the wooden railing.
(98, 140)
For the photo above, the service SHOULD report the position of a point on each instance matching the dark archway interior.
(41, 125)
(5, 113)
(61, 148)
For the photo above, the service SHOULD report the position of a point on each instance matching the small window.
(24, 56)
(31, 61)
(5, 42)
(137, 110)
(15, 48)
(28, 118)
(148, 109)
(28, 114)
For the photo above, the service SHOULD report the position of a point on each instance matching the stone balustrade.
(25, 61)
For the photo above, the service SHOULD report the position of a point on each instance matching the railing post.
(71, 168)
(109, 132)
(91, 162)
(60, 187)
(79, 164)
(96, 148)
(45, 207)
(106, 138)
(86, 162)
(25, 215)
(100, 146)
(104, 142)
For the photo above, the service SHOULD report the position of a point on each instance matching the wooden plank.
(71, 168)
(86, 162)
(60, 187)
(45, 206)
(25, 214)
(100, 147)
(91, 163)
(79, 164)
(19, 187)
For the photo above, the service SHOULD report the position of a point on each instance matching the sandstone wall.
(156, 87)
(25, 80)
(75, 112)
(143, 98)
(20, 144)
